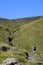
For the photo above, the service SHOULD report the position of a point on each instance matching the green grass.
(30, 33)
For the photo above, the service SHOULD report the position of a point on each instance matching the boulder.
(10, 61)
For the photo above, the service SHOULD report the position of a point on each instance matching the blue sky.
(13, 9)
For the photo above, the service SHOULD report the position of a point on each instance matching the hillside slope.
(14, 25)
(32, 34)
(27, 33)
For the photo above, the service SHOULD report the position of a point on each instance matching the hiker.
(34, 49)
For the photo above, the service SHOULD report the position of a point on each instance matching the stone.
(10, 61)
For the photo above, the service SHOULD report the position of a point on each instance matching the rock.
(27, 55)
(3, 48)
(10, 61)
(0, 47)
(31, 59)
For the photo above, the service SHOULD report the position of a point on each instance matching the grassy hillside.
(32, 34)
(27, 32)
(14, 25)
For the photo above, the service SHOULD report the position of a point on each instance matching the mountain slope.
(27, 33)
(32, 34)
(14, 25)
